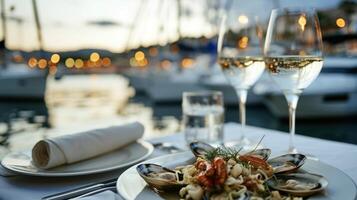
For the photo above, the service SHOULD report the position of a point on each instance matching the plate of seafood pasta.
(227, 173)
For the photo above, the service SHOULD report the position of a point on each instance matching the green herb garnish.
(223, 152)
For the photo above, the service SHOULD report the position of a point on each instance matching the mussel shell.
(287, 163)
(159, 177)
(199, 149)
(278, 181)
(261, 153)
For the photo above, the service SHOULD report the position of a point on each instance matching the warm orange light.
(186, 62)
(53, 70)
(142, 63)
(175, 49)
(55, 58)
(106, 62)
(98, 63)
(69, 62)
(42, 63)
(90, 64)
(340, 22)
(78, 63)
(165, 64)
(32, 62)
(243, 42)
(139, 56)
(18, 58)
(302, 22)
(94, 57)
(153, 51)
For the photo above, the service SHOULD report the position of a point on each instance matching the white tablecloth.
(341, 155)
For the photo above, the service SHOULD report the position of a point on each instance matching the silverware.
(166, 146)
(91, 188)
(113, 188)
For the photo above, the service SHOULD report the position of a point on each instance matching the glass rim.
(295, 9)
(202, 93)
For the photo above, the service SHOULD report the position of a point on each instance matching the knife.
(81, 190)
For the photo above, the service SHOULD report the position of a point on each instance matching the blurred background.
(73, 65)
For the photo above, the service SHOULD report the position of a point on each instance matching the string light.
(55, 58)
(69, 62)
(32, 62)
(94, 57)
(340, 22)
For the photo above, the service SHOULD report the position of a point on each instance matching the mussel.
(160, 178)
(298, 184)
(287, 163)
(260, 153)
(199, 149)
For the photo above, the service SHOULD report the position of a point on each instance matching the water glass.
(203, 117)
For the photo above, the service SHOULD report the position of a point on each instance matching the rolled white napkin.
(72, 148)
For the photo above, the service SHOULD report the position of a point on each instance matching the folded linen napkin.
(68, 149)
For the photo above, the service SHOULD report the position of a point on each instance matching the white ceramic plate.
(340, 185)
(20, 162)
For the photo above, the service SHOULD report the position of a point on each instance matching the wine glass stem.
(292, 103)
(292, 111)
(242, 95)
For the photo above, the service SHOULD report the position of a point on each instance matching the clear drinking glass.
(240, 56)
(203, 117)
(293, 55)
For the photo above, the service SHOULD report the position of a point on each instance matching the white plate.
(340, 185)
(20, 162)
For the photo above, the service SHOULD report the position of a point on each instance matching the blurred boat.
(167, 86)
(18, 81)
(332, 94)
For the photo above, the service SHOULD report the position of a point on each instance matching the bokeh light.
(243, 42)
(302, 22)
(139, 56)
(340, 22)
(69, 62)
(78, 63)
(42, 63)
(94, 57)
(153, 51)
(165, 64)
(106, 62)
(55, 58)
(243, 19)
(187, 63)
(32, 62)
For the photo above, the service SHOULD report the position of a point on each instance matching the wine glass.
(240, 56)
(293, 55)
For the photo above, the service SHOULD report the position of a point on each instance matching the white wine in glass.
(241, 59)
(293, 55)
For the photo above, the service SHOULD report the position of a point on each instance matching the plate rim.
(186, 152)
(142, 142)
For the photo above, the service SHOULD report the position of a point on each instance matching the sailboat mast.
(3, 20)
(38, 24)
(132, 26)
(179, 13)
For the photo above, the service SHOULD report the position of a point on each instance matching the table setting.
(209, 159)
(341, 156)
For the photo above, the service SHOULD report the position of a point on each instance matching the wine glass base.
(292, 150)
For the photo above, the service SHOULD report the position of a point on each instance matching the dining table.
(337, 154)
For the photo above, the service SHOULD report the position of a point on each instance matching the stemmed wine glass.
(293, 55)
(240, 56)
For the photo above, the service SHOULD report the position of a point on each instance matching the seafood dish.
(228, 173)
